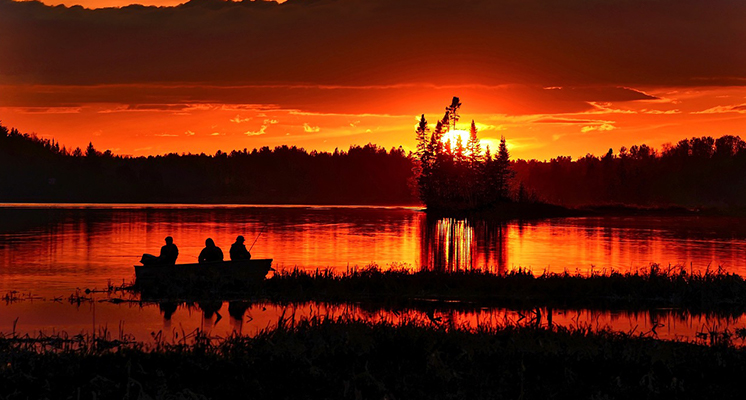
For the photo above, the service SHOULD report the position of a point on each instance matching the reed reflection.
(248, 318)
(450, 244)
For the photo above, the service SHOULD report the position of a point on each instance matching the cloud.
(48, 110)
(568, 121)
(189, 133)
(145, 108)
(600, 128)
(308, 128)
(239, 120)
(606, 108)
(661, 112)
(487, 127)
(558, 45)
(739, 108)
(263, 129)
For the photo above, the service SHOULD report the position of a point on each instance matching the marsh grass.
(652, 287)
(348, 358)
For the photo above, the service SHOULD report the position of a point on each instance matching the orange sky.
(555, 78)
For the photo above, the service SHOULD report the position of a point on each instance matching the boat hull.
(220, 273)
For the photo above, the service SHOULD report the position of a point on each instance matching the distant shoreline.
(129, 205)
(508, 211)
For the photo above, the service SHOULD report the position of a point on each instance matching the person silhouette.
(169, 253)
(238, 250)
(210, 253)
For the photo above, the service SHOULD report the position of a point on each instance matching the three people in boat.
(168, 256)
(238, 250)
(210, 253)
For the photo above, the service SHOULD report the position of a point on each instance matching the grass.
(327, 358)
(654, 287)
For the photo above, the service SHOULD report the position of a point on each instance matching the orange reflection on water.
(450, 245)
(51, 251)
(171, 322)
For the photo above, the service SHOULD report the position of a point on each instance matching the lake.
(50, 252)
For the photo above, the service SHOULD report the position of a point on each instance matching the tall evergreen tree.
(422, 139)
(503, 171)
(473, 146)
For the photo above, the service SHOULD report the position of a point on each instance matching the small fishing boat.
(218, 273)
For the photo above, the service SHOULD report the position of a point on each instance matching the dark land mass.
(697, 175)
(341, 359)
(38, 170)
(505, 211)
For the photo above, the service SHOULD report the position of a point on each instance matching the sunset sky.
(554, 77)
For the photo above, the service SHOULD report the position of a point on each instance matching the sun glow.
(453, 136)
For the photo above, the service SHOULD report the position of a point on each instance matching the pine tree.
(90, 151)
(435, 147)
(473, 146)
(503, 171)
(422, 142)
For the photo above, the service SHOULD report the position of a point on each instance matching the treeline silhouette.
(35, 169)
(696, 172)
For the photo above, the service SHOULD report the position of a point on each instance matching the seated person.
(168, 255)
(210, 253)
(238, 250)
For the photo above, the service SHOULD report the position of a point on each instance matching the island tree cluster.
(459, 176)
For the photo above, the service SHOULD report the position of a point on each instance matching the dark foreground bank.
(351, 359)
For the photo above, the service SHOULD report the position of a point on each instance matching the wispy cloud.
(48, 110)
(601, 128)
(239, 120)
(263, 129)
(661, 112)
(739, 108)
(308, 128)
(607, 108)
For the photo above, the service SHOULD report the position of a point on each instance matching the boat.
(238, 273)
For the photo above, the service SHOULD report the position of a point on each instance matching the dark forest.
(696, 172)
(34, 169)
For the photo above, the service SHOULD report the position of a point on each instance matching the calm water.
(50, 251)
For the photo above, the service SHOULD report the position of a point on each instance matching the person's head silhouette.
(169, 240)
(209, 242)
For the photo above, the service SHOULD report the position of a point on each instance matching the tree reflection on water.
(451, 244)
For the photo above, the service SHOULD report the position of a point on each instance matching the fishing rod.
(257, 237)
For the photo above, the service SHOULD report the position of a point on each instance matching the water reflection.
(144, 321)
(450, 244)
(51, 252)
(584, 244)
